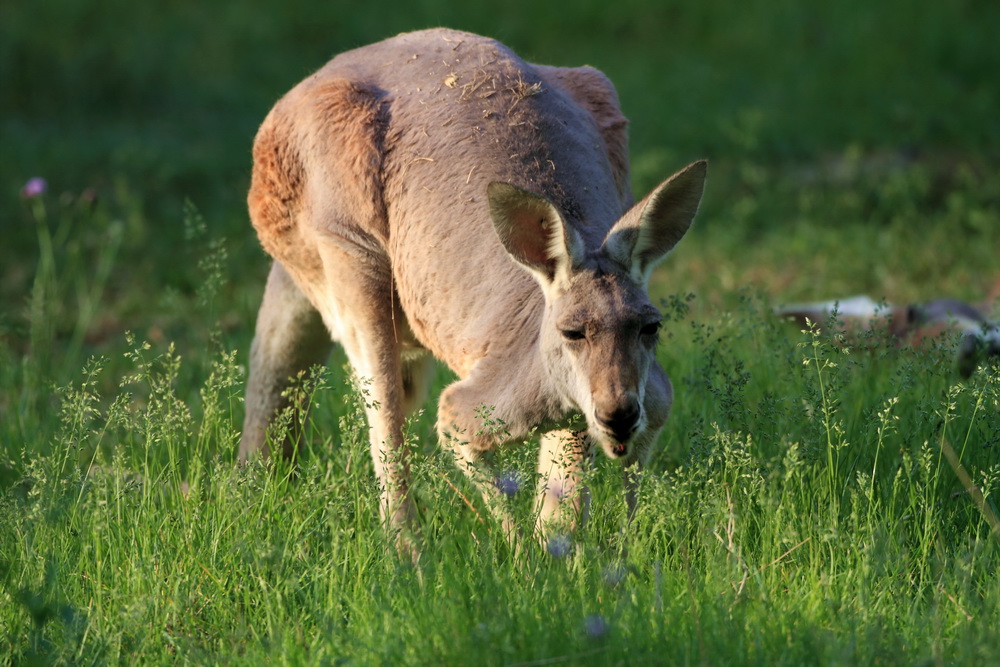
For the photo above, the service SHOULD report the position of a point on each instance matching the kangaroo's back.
(407, 133)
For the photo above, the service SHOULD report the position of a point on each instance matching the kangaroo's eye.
(650, 329)
(573, 334)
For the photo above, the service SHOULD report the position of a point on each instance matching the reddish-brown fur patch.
(277, 182)
(351, 122)
(344, 135)
(277, 196)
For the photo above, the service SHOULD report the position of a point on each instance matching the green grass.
(801, 507)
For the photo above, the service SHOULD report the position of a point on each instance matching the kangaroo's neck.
(535, 399)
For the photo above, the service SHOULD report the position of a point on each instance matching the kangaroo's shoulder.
(593, 90)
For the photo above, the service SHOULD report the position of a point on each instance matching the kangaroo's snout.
(620, 421)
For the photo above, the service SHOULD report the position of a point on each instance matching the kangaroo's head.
(600, 330)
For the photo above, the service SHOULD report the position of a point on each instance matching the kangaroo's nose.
(621, 421)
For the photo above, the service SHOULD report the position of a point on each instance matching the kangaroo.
(433, 196)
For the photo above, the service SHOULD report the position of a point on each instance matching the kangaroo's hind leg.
(290, 337)
(362, 312)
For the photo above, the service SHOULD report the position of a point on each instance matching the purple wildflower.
(509, 483)
(559, 545)
(556, 488)
(614, 574)
(35, 187)
(595, 626)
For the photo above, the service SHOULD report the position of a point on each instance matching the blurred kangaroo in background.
(435, 196)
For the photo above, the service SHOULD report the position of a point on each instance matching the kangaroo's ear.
(653, 227)
(533, 232)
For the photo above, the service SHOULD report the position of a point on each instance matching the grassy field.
(810, 502)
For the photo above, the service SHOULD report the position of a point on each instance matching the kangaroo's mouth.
(617, 436)
(614, 447)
